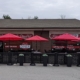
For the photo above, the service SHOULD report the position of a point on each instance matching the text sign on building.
(25, 46)
(25, 35)
(7, 46)
(52, 34)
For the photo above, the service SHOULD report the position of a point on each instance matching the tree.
(6, 17)
(63, 16)
(35, 17)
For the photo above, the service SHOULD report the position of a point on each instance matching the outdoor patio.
(38, 72)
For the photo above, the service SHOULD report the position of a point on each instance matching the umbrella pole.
(51, 44)
(66, 45)
(36, 45)
(65, 51)
(9, 45)
(31, 45)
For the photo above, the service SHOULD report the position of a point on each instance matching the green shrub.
(44, 55)
(21, 54)
(69, 55)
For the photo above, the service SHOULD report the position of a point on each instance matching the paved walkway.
(39, 72)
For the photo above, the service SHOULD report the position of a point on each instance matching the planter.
(21, 59)
(45, 59)
(69, 60)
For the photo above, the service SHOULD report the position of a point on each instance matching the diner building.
(47, 28)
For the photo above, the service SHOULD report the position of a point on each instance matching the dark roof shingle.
(39, 23)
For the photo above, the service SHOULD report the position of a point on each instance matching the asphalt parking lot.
(39, 72)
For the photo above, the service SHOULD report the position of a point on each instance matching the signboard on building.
(52, 34)
(11, 46)
(25, 35)
(25, 46)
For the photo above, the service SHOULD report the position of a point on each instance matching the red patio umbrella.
(10, 37)
(36, 38)
(65, 37)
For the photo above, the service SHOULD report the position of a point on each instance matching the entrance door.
(42, 45)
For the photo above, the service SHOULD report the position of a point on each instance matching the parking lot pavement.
(39, 72)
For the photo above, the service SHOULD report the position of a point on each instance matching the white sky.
(51, 9)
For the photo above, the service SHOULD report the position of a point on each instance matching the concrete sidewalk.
(39, 72)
